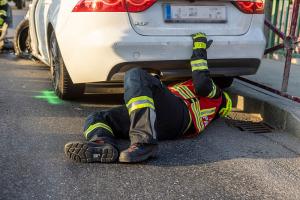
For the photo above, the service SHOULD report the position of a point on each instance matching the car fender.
(57, 16)
(32, 28)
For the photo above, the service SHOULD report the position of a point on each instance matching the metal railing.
(284, 33)
(281, 17)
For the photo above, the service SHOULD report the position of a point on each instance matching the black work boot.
(138, 152)
(88, 152)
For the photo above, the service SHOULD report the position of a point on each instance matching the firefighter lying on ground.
(153, 112)
(3, 21)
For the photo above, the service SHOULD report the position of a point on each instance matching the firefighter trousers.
(172, 116)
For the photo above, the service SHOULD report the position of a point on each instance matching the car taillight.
(139, 5)
(113, 5)
(250, 7)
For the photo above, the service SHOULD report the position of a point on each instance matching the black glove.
(200, 44)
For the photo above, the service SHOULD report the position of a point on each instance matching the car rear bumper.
(98, 54)
(178, 69)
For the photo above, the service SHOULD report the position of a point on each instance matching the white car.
(86, 41)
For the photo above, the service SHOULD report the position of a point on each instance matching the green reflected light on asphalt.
(49, 96)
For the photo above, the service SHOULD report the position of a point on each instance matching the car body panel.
(125, 45)
(97, 45)
(41, 20)
(43, 14)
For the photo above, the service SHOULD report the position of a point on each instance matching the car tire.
(223, 82)
(9, 17)
(19, 4)
(22, 40)
(61, 80)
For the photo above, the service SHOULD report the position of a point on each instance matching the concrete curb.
(280, 113)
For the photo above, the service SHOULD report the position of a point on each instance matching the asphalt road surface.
(223, 163)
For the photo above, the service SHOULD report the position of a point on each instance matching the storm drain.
(252, 127)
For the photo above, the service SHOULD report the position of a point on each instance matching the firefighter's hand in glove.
(200, 44)
(200, 41)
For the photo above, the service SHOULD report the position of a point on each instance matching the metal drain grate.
(253, 127)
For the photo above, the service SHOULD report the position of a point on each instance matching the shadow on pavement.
(103, 99)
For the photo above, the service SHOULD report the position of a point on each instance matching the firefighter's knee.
(137, 83)
(136, 77)
(134, 71)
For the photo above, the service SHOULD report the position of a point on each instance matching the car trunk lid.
(182, 18)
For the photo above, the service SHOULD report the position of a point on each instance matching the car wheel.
(61, 80)
(223, 82)
(22, 41)
(9, 17)
(19, 4)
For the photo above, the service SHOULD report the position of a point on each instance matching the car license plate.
(194, 14)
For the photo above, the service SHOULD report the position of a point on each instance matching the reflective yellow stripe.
(200, 64)
(206, 112)
(139, 106)
(198, 124)
(222, 112)
(140, 102)
(196, 109)
(225, 111)
(199, 45)
(3, 12)
(195, 106)
(200, 68)
(195, 115)
(213, 92)
(228, 103)
(178, 89)
(178, 84)
(188, 91)
(190, 123)
(3, 2)
(183, 92)
(1, 21)
(97, 125)
(189, 96)
(140, 98)
(199, 61)
(200, 118)
(199, 35)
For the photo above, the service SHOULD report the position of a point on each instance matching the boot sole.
(126, 159)
(88, 153)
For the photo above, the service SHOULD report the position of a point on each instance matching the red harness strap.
(202, 109)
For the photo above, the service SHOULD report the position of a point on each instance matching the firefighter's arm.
(203, 84)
